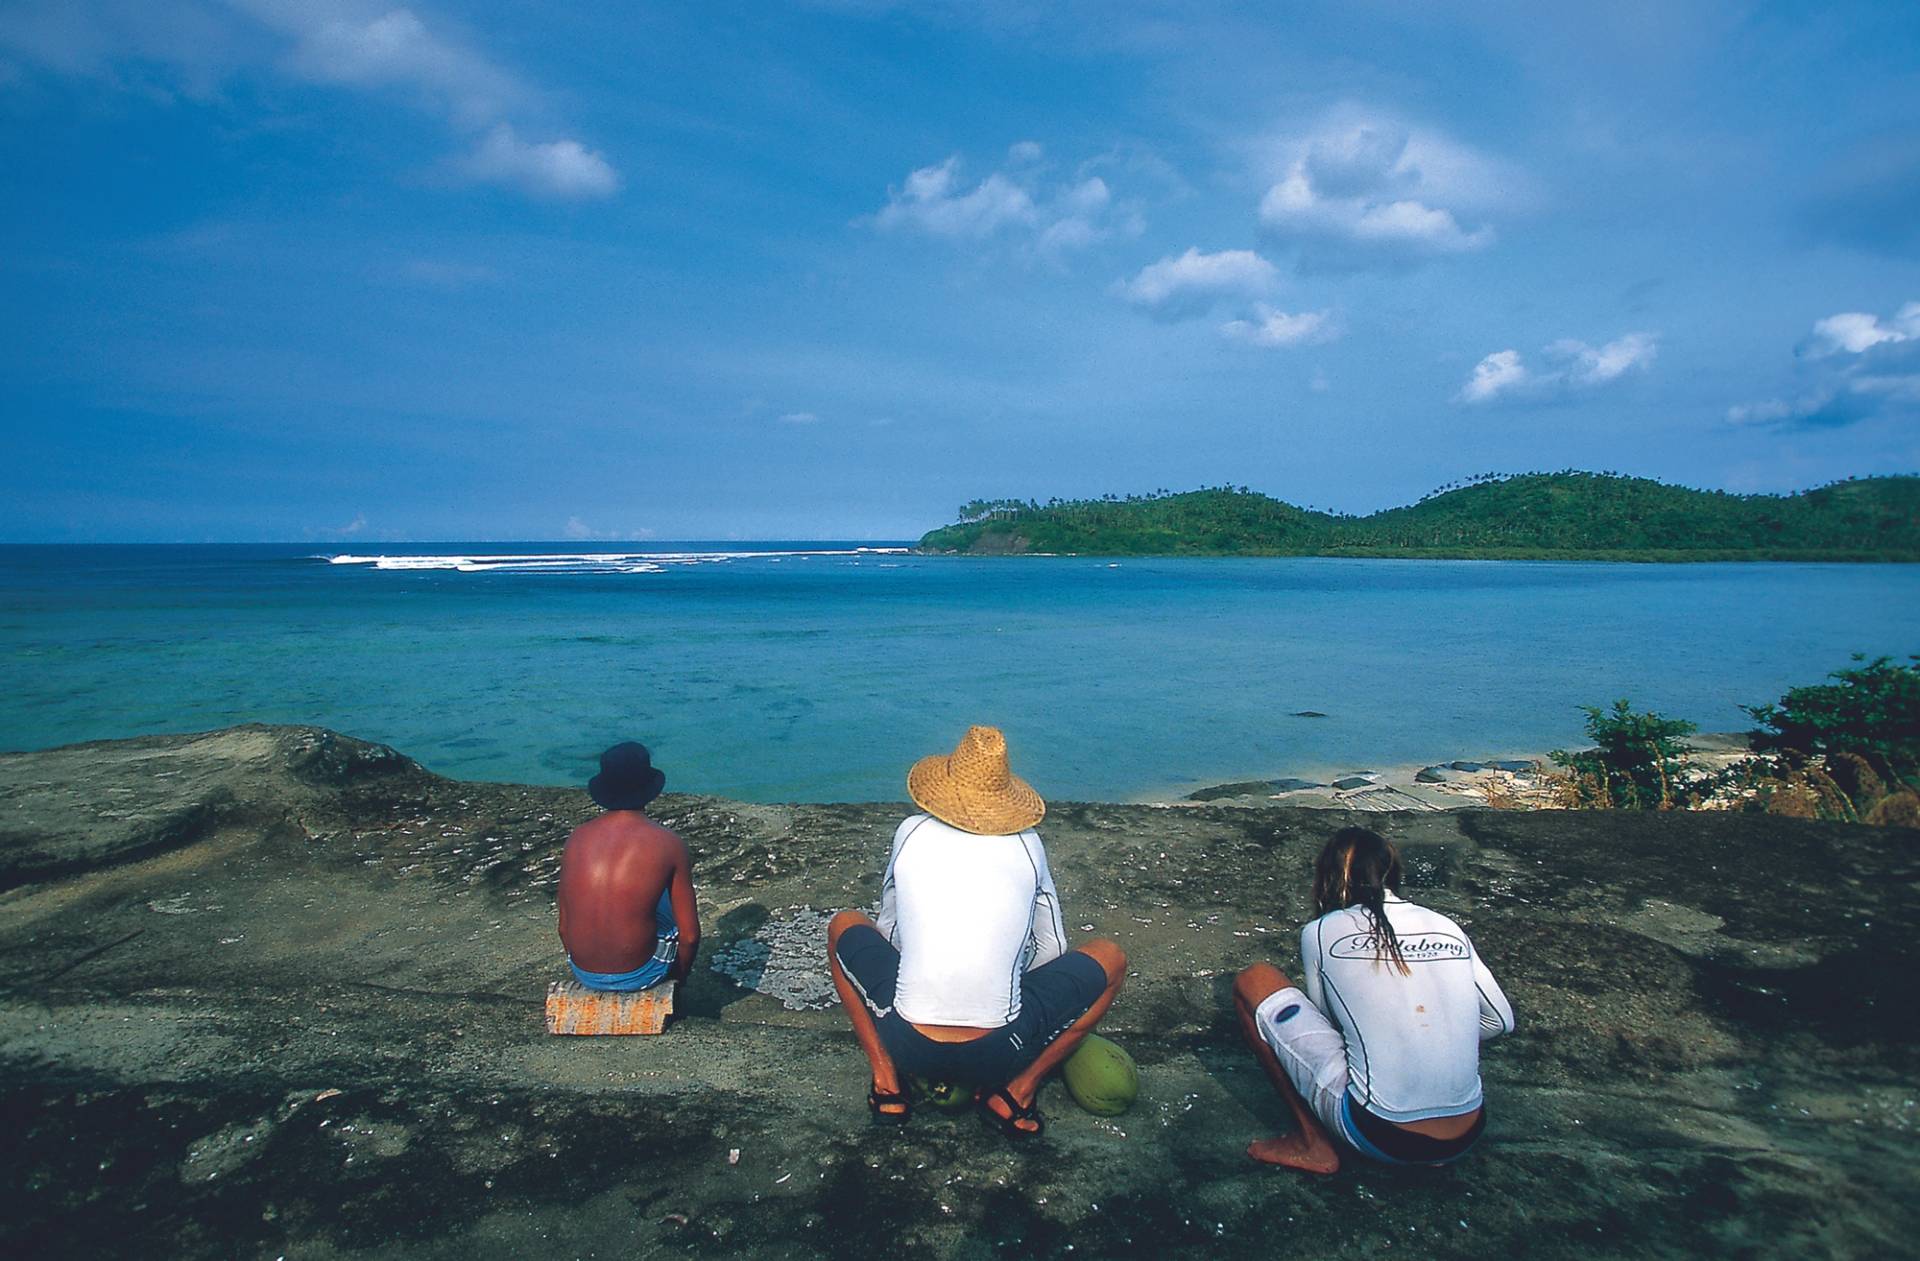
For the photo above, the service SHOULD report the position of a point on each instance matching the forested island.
(1567, 515)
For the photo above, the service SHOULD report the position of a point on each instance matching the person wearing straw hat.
(967, 977)
(627, 915)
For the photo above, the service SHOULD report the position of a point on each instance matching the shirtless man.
(627, 914)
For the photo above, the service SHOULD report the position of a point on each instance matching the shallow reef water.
(820, 675)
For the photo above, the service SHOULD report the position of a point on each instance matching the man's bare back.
(612, 873)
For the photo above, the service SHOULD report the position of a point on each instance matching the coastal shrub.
(1799, 789)
(1870, 711)
(1856, 777)
(1901, 810)
(1637, 761)
(1500, 795)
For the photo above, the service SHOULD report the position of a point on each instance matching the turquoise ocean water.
(816, 672)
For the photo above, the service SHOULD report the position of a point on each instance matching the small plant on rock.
(1871, 712)
(1637, 761)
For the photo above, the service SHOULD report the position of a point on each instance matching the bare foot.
(1296, 1151)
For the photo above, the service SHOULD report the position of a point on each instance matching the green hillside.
(1534, 515)
(1198, 522)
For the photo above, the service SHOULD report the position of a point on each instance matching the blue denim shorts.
(648, 974)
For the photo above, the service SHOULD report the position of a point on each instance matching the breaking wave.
(586, 562)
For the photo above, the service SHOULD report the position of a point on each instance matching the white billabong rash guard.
(969, 915)
(1413, 1041)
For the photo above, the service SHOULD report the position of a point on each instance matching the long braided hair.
(1358, 868)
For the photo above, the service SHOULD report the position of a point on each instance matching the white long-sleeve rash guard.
(1413, 1041)
(969, 915)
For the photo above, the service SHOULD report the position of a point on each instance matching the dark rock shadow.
(709, 993)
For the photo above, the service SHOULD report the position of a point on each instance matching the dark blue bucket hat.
(628, 779)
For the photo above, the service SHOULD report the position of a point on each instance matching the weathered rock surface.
(273, 991)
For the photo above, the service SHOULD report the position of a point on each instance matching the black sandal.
(1010, 1124)
(876, 1100)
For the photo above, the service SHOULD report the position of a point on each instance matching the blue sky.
(279, 269)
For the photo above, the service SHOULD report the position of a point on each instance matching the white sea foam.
(587, 562)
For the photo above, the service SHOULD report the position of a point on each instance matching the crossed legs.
(886, 1078)
(1308, 1147)
(1112, 961)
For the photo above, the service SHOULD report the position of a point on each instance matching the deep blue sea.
(810, 671)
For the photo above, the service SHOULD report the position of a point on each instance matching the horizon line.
(1457, 484)
(321, 544)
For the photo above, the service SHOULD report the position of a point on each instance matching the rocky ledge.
(275, 991)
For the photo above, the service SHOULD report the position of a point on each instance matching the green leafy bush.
(1871, 711)
(1635, 764)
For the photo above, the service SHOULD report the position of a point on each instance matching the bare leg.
(1308, 1147)
(1113, 961)
(885, 1080)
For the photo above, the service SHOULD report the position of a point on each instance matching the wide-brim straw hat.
(973, 788)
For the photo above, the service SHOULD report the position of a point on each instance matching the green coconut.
(1101, 1077)
(945, 1095)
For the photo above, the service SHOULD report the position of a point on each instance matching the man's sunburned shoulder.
(625, 827)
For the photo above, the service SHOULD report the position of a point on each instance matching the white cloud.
(393, 50)
(1775, 410)
(1066, 235)
(1590, 365)
(1182, 286)
(799, 418)
(396, 51)
(1193, 282)
(1295, 209)
(1089, 197)
(1364, 190)
(1269, 327)
(1410, 223)
(1901, 387)
(1575, 366)
(933, 201)
(1016, 201)
(192, 46)
(1852, 366)
(1499, 373)
(1081, 211)
(1855, 332)
(562, 169)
